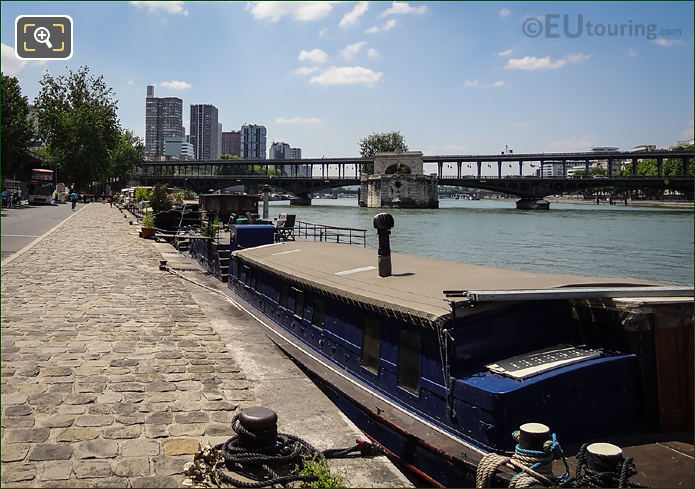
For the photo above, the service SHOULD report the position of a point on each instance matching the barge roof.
(416, 286)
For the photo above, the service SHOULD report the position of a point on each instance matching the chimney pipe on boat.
(383, 223)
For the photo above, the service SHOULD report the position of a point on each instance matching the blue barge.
(439, 362)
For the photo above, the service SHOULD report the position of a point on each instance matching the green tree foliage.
(672, 167)
(159, 200)
(380, 143)
(141, 193)
(17, 130)
(77, 118)
(230, 157)
(128, 153)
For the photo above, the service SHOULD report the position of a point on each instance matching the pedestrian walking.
(111, 199)
(19, 196)
(73, 198)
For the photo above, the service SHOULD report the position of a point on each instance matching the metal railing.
(322, 232)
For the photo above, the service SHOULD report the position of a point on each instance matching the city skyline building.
(231, 143)
(163, 120)
(205, 131)
(282, 151)
(178, 149)
(252, 142)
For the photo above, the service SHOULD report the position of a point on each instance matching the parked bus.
(41, 186)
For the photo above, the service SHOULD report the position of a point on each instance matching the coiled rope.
(535, 466)
(603, 475)
(265, 459)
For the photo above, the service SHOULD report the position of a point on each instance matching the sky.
(452, 77)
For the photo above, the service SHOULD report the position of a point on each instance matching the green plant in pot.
(147, 231)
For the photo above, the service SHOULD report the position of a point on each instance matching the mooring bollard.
(383, 223)
(260, 427)
(532, 436)
(604, 457)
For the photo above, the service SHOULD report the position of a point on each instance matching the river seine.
(578, 239)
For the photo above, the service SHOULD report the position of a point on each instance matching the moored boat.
(439, 361)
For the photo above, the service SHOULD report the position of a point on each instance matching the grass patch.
(319, 468)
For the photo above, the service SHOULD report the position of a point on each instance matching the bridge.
(203, 175)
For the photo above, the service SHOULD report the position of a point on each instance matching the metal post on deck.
(383, 223)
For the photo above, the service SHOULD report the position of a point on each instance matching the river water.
(578, 239)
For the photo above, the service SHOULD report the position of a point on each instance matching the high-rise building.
(178, 149)
(231, 142)
(219, 140)
(204, 131)
(163, 117)
(252, 141)
(283, 151)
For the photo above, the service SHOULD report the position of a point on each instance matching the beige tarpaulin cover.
(416, 285)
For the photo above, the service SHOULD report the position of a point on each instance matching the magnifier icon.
(43, 36)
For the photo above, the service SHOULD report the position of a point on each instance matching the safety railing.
(322, 232)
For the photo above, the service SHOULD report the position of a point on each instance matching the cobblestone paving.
(111, 373)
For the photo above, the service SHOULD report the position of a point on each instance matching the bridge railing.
(322, 232)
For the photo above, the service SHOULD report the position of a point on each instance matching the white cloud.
(298, 120)
(167, 7)
(568, 145)
(388, 25)
(314, 56)
(505, 53)
(353, 15)
(130, 82)
(505, 12)
(352, 49)
(372, 53)
(476, 83)
(631, 52)
(403, 8)
(530, 63)
(323, 31)
(305, 70)
(520, 124)
(274, 11)
(666, 43)
(176, 85)
(343, 75)
(12, 65)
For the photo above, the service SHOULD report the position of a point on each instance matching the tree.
(77, 119)
(128, 153)
(380, 143)
(17, 131)
(159, 200)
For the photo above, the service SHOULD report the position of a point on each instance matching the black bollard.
(260, 427)
(532, 436)
(383, 223)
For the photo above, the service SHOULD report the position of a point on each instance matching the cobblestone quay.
(111, 373)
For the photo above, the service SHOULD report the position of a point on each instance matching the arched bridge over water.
(204, 175)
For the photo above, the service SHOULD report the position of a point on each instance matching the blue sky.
(453, 78)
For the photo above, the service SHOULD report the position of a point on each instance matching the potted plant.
(147, 230)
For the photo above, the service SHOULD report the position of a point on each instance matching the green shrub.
(148, 220)
(158, 198)
(319, 468)
(142, 193)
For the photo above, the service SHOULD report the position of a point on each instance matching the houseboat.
(440, 362)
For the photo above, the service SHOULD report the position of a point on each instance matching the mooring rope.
(603, 476)
(265, 459)
(535, 467)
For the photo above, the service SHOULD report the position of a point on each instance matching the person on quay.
(73, 199)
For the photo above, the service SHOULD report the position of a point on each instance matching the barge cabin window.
(243, 273)
(370, 345)
(318, 315)
(283, 295)
(258, 286)
(409, 354)
(298, 302)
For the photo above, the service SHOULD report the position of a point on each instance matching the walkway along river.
(645, 243)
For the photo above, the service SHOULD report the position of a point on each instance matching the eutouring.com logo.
(553, 26)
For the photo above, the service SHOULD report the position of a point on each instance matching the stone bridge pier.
(388, 187)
